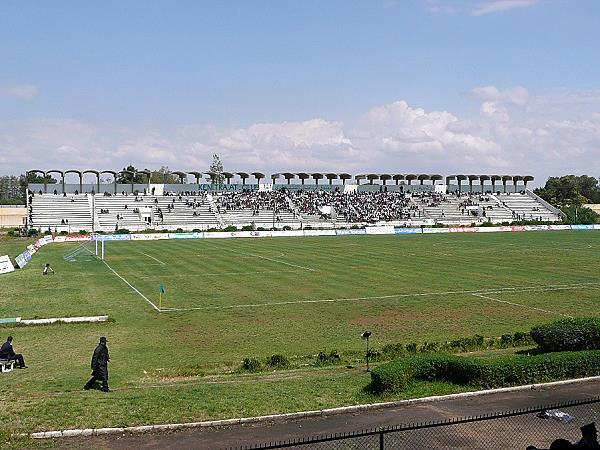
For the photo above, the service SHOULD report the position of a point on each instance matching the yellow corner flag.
(162, 291)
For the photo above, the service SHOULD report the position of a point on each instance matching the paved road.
(245, 435)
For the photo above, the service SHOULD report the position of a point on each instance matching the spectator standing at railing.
(589, 437)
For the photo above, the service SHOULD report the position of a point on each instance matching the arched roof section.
(495, 178)
(78, 172)
(483, 178)
(95, 172)
(517, 178)
(345, 176)
(228, 175)
(36, 171)
(506, 178)
(435, 177)
(243, 175)
(385, 176)
(422, 177)
(472, 178)
(258, 175)
(372, 176)
(147, 173)
(182, 175)
(288, 175)
(62, 174)
(331, 176)
(449, 178)
(360, 177)
(410, 177)
(528, 178)
(303, 175)
(274, 176)
(398, 177)
(460, 178)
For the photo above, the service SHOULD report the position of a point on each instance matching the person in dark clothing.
(100, 360)
(589, 437)
(7, 352)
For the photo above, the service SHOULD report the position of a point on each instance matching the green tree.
(127, 178)
(570, 190)
(578, 215)
(163, 175)
(216, 168)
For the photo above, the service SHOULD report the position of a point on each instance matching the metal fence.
(517, 429)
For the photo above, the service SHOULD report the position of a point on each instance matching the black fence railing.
(518, 429)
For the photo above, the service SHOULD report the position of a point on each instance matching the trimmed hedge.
(568, 335)
(498, 372)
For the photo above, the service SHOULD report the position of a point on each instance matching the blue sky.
(425, 85)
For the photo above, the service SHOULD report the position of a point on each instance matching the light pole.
(365, 337)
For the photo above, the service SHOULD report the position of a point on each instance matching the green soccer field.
(229, 299)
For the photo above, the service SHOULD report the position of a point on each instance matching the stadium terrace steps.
(60, 213)
(293, 209)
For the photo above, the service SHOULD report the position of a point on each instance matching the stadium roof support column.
(182, 176)
(243, 176)
(516, 179)
(422, 177)
(397, 177)
(495, 178)
(274, 176)
(385, 177)
(198, 175)
(471, 179)
(228, 176)
(372, 176)
(331, 177)
(482, 179)
(435, 177)
(410, 177)
(258, 176)
(317, 176)
(460, 179)
(358, 178)
(344, 177)
(303, 176)
(148, 175)
(526, 179)
(289, 176)
(505, 179)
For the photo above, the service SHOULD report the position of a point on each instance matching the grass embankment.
(403, 288)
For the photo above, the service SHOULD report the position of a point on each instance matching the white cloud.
(542, 133)
(495, 6)
(22, 92)
(475, 7)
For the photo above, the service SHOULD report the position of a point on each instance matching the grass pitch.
(227, 299)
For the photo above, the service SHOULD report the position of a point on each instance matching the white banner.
(6, 265)
(150, 237)
(380, 230)
(319, 232)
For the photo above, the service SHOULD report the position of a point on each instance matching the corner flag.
(162, 290)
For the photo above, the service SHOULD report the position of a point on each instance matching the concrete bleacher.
(278, 208)
(525, 207)
(69, 213)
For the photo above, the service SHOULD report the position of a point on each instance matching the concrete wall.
(12, 217)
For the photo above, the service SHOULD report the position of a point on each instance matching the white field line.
(155, 259)
(520, 305)
(215, 274)
(132, 287)
(556, 287)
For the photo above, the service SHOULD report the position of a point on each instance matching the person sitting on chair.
(7, 352)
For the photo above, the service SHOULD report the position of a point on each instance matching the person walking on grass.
(48, 270)
(100, 360)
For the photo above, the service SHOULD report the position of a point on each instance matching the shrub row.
(271, 362)
(568, 335)
(499, 372)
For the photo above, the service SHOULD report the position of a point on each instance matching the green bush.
(251, 365)
(568, 335)
(499, 372)
(327, 358)
(248, 228)
(278, 362)
(230, 228)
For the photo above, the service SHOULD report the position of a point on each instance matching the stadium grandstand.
(295, 200)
